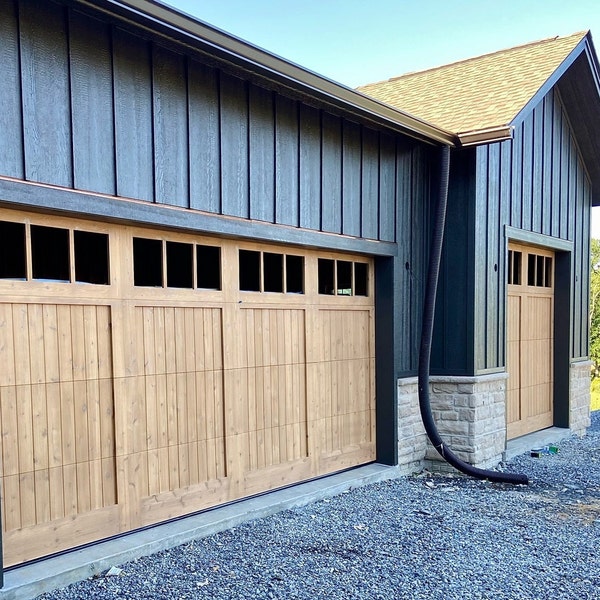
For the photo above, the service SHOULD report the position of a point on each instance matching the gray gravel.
(417, 537)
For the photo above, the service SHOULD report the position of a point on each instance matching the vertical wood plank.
(547, 175)
(234, 146)
(527, 170)
(46, 93)
(133, 116)
(7, 346)
(287, 163)
(9, 432)
(204, 143)
(370, 184)
(25, 429)
(310, 167)
(556, 166)
(39, 411)
(351, 161)
(20, 321)
(516, 218)
(332, 174)
(170, 127)
(537, 174)
(262, 154)
(92, 102)
(387, 189)
(11, 116)
(492, 265)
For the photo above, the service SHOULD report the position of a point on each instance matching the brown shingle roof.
(480, 93)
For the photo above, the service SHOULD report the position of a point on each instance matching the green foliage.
(595, 307)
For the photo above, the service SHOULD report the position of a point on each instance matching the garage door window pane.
(249, 263)
(344, 278)
(12, 251)
(50, 253)
(91, 257)
(294, 273)
(361, 279)
(273, 266)
(208, 266)
(147, 262)
(180, 265)
(326, 276)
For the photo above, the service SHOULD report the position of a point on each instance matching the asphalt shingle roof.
(478, 93)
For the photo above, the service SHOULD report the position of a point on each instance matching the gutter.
(486, 136)
(158, 17)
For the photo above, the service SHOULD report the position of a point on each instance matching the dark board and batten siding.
(91, 106)
(537, 183)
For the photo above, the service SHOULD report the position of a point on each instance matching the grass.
(595, 395)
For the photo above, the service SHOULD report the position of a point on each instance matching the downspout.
(427, 336)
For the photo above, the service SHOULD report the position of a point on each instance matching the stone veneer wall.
(470, 413)
(579, 396)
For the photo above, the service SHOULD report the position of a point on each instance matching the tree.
(595, 307)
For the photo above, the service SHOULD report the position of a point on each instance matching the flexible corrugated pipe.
(427, 336)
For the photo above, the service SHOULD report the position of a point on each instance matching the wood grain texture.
(205, 147)
(133, 116)
(530, 341)
(287, 161)
(171, 140)
(262, 154)
(387, 189)
(90, 49)
(11, 118)
(138, 404)
(331, 185)
(370, 185)
(351, 194)
(234, 147)
(46, 93)
(310, 167)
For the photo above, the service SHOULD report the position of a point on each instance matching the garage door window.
(343, 278)
(12, 251)
(271, 272)
(158, 262)
(56, 254)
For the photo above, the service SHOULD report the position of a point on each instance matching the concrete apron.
(538, 439)
(31, 580)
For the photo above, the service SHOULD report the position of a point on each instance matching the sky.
(355, 42)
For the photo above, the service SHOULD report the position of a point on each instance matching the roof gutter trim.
(284, 69)
(486, 136)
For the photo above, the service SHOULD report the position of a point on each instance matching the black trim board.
(28, 196)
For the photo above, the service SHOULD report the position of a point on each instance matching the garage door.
(530, 340)
(146, 375)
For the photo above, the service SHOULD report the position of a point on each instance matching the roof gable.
(486, 93)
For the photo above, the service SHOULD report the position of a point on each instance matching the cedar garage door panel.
(125, 405)
(530, 341)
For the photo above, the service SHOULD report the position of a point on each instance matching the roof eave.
(160, 17)
(551, 81)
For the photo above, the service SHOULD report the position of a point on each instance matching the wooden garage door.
(530, 340)
(144, 376)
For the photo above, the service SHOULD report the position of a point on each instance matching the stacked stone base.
(470, 416)
(470, 413)
(579, 396)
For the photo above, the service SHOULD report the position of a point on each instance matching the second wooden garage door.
(530, 340)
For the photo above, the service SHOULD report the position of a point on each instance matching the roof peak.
(581, 34)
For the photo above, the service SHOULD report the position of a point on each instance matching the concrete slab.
(538, 439)
(29, 581)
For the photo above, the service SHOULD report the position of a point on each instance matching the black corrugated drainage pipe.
(427, 335)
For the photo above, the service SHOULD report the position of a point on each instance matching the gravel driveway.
(418, 537)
